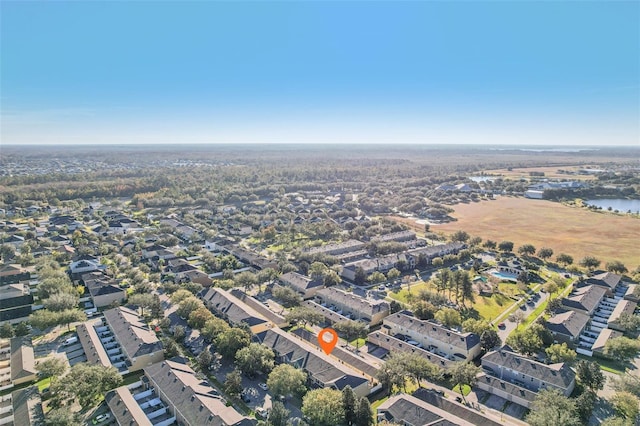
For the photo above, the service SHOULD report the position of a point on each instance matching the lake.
(482, 178)
(619, 204)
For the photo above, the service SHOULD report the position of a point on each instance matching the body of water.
(619, 204)
(482, 178)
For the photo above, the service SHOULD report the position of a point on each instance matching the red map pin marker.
(327, 338)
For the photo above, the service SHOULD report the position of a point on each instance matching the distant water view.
(619, 204)
(482, 178)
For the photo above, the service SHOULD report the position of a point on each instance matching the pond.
(620, 204)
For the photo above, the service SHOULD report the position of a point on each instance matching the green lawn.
(360, 342)
(605, 364)
(466, 389)
(490, 308)
(44, 383)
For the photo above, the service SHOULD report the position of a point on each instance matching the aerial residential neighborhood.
(210, 314)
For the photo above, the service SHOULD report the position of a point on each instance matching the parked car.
(101, 418)
(263, 386)
(502, 326)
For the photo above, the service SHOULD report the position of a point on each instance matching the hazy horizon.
(481, 73)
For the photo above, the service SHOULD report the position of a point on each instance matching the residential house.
(517, 378)
(338, 248)
(305, 286)
(427, 408)
(606, 280)
(401, 236)
(567, 326)
(170, 393)
(414, 256)
(393, 344)
(353, 306)
(17, 362)
(104, 290)
(11, 274)
(381, 264)
(605, 335)
(323, 371)
(16, 302)
(22, 408)
(229, 307)
(121, 339)
(584, 299)
(439, 339)
(82, 266)
(623, 307)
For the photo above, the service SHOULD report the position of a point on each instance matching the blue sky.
(328, 71)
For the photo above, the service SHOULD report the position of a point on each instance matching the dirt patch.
(542, 223)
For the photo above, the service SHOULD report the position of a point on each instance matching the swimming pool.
(504, 275)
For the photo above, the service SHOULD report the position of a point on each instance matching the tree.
(317, 270)
(590, 375)
(625, 405)
(351, 329)
(62, 417)
(285, 379)
(255, 358)
(213, 327)
(287, 296)
(188, 305)
(323, 407)
(564, 258)
(22, 329)
(629, 322)
(6, 330)
(84, 383)
(360, 276)
(616, 266)
(560, 353)
(303, 315)
(51, 367)
(61, 301)
(552, 408)
(553, 306)
(449, 317)
(364, 415)
(350, 405)
(143, 301)
(545, 253)
(464, 373)
(233, 383)
(460, 236)
(278, 415)
(205, 360)
(246, 280)
(505, 246)
(7, 252)
(585, 404)
(393, 274)
(550, 287)
(179, 333)
(476, 326)
(527, 249)
(490, 245)
(424, 310)
(622, 348)
(627, 383)
(199, 317)
(589, 262)
(517, 317)
(490, 339)
(180, 295)
(230, 341)
(376, 277)
(527, 341)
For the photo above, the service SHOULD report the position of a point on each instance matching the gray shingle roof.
(585, 298)
(559, 375)
(570, 323)
(434, 330)
(134, 336)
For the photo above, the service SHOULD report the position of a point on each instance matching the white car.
(263, 386)
(101, 418)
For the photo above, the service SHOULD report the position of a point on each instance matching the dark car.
(502, 326)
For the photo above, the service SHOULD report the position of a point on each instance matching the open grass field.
(542, 223)
(549, 172)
